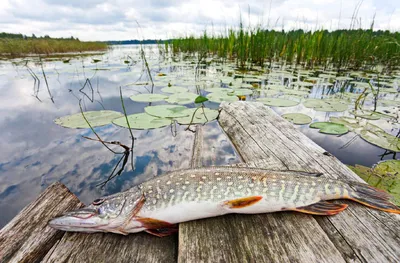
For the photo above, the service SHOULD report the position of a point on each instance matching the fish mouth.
(78, 220)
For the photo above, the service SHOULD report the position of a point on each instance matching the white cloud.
(116, 20)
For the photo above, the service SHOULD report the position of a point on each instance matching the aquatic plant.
(341, 49)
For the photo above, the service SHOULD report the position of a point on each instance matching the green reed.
(340, 49)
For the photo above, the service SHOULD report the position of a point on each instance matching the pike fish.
(158, 205)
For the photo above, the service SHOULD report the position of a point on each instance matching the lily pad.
(341, 78)
(95, 118)
(368, 115)
(296, 92)
(242, 92)
(220, 97)
(166, 111)
(201, 116)
(375, 135)
(142, 121)
(351, 123)
(297, 118)
(221, 90)
(276, 87)
(200, 99)
(251, 80)
(174, 89)
(329, 127)
(182, 98)
(325, 105)
(303, 84)
(148, 97)
(389, 102)
(276, 102)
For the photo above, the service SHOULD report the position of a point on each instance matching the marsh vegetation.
(17, 45)
(340, 88)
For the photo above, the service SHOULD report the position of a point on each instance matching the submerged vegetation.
(340, 49)
(385, 175)
(15, 45)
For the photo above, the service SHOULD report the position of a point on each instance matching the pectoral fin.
(242, 202)
(322, 208)
(162, 232)
(157, 227)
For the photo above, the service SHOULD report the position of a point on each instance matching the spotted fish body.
(192, 194)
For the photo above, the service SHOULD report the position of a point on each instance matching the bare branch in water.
(37, 81)
(89, 84)
(98, 137)
(124, 159)
(129, 126)
(347, 144)
(45, 80)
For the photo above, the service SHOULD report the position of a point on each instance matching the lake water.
(35, 152)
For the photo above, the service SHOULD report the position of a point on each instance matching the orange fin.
(242, 202)
(152, 223)
(118, 231)
(322, 208)
(157, 227)
(372, 197)
(162, 232)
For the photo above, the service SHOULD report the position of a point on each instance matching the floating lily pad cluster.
(369, 132)
(95, 118)
(153, 117)
(330, 128)
(297, 118)
(325, 105)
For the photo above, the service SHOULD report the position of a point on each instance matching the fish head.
(103, 215)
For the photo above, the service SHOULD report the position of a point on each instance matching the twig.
(45, 80)
(129, 126)
(98, 137)
(123, 158)
(89, 83)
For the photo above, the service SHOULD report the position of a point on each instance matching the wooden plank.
(107, 247)
(280, 237)
(27, 238)
(372, 236)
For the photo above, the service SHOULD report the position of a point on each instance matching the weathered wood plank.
(107, 247)
(27, 238)
(280, 237)
(373, 236)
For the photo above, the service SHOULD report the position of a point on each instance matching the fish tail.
(372, 197)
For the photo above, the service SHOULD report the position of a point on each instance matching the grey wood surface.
(358, 233)
(280, 237)
(27, 238)
(263, 139)
(113, 248)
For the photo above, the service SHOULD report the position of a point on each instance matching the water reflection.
(36, 152)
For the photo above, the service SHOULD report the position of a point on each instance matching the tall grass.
(340, 49)
(19, 47)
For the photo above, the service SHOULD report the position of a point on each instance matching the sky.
(163, 19)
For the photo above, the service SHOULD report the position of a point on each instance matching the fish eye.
(98, 201)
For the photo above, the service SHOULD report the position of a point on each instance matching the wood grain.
(279, 237)
(113, 248)
(359, 233)
(27, 238)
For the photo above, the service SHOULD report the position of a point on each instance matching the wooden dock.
(263, 139)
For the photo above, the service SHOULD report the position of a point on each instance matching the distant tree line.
(136, 42)
(21, 36)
